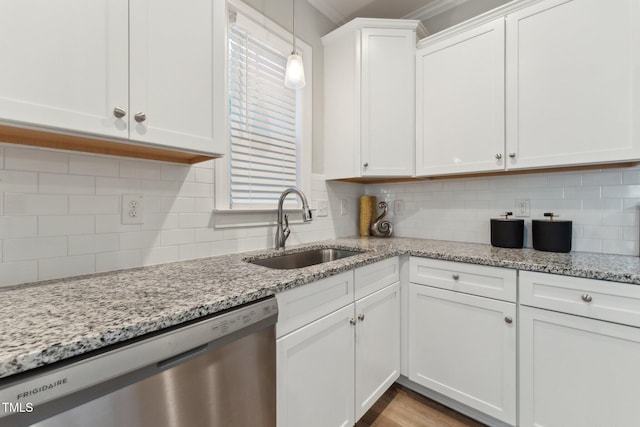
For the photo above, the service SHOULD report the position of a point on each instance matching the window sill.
(238, 218)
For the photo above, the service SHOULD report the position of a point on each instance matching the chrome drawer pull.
(455, 276)
(352, 321)
(361, 317)
(508, 319)
(586, 298)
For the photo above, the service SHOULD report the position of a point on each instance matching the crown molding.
(433, 9)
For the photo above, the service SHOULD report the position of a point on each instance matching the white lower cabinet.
(460, 345)
(315, 374)
(578, 369)
(377, 346)
(331, 370)
(464, 347)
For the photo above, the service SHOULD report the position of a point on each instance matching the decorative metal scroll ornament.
(382, 228)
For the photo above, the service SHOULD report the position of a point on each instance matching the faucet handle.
(286, 231)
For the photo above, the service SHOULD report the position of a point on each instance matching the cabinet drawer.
(374, 277)
(598, 299)
(302, 305)
(492, 282)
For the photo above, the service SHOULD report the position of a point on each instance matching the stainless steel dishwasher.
(219, 371)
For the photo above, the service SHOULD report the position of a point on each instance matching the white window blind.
(263, 122)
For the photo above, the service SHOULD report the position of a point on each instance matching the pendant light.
(294, 74)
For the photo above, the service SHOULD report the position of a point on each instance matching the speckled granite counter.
(50, 321)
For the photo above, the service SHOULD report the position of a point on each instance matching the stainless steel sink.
(304, 259)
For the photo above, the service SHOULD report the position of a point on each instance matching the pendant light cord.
(293, 24)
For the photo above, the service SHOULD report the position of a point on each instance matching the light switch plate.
(522, 208)
(323, 208)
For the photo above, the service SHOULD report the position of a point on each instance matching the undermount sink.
(304, 259)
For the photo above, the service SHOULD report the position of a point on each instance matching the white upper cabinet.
(171, 63)
(460, 102)
(65, 64)
(370, 98)
(573, 83)
(136, 71)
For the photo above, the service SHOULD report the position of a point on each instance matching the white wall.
(603, 205)
(60, 214)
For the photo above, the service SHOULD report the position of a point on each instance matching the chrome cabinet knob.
(587, 298)
(512, 154)
(498, 156)
(366, 165)
(361, 317)
(119, 112)
(508, 320)
(140, 117)
(352, 321)
(455, 276)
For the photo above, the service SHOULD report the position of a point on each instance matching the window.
(269, 125)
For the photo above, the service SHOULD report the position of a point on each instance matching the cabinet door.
(315, 373)
(576, 371)
(377, 345)
(460, 103)
(65, 64)
(573, 87)
(172, 68)
(464, 347)
(387, 126)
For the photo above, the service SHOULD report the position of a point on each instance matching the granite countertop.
(46, 322)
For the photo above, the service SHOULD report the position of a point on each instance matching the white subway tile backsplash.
(602, 178)
(621, 191)
(96, 205)
(13, 273)
(161, 221)
(33, 248)
(18, 182)
(195, 250)
(116, 186)
(113, 224)
(13, 227)
(179, 204)
(177, 237)
(35, 204)
(66, 184)
(139, 239)
(56, 268)
(623, 247)
(160, 188)
(65, 225)
(195, 220)
(83, 164)
(205, 175)
(179, 173)
(119, 260)
(140, 169)
(196, 189)
(35, 159)
(93, 244)
(160, 255)
(602, 232)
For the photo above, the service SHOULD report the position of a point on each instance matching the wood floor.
(401, 407)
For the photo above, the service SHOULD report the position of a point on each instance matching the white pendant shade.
(294, 74)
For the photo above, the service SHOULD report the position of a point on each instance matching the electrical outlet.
(398, 207)
(522, 208)
(323, 208)
(132, 209)
(344, 207)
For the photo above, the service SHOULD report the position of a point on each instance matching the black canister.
(507, 232)
(551, 235)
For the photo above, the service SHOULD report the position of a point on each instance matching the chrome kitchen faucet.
(283, 232)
